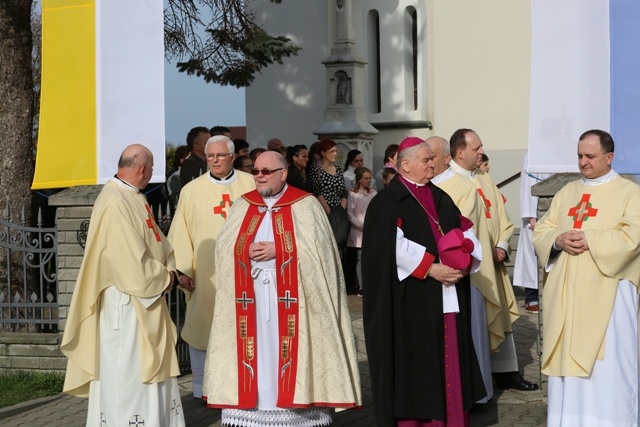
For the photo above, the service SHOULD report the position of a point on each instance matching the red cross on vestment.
(151, 223)
(582, 211)
(486, 202)
(225, 203)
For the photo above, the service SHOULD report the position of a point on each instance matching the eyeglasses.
(265, 172)
(220, 156)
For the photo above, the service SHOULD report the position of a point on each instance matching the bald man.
(281, 350)
(119, 337)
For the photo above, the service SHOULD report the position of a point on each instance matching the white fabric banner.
(569, 80)
(130, 82)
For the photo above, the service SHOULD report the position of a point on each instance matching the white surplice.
(130, 402)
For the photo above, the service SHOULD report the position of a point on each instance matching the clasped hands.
(445, 274)
(572, 242)
(262, 251)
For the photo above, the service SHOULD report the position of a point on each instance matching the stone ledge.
(9, 338)
(550, 186)
(81, 195)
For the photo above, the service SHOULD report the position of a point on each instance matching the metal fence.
(175, 297)
(28, 276)
(29, 280)
(176, 303)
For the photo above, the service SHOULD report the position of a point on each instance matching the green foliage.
(170, 152)
(229, 48)
(21, 386)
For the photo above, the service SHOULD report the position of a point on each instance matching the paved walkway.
(508, 408)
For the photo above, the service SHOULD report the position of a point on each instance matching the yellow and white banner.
(102, 89)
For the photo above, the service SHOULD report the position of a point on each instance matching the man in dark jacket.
(196, 164)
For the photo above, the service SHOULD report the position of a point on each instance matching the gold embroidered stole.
(287, 294)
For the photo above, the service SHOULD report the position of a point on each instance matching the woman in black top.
(326, 178)
(298, 157)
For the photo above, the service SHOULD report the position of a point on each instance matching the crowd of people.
(267, 243)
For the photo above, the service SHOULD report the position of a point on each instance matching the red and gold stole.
(287, 292)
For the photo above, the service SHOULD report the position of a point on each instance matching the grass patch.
(21, 386)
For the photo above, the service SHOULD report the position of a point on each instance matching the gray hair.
(223, 138)
(410, 153)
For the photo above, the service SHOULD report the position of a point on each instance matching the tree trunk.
(16, 147)
(16, 107)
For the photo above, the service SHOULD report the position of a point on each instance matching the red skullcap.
(409, 142)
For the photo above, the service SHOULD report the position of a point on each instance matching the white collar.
(608, 177)
(124, 184)
(223, 181)
(462, 171)
(444, 176)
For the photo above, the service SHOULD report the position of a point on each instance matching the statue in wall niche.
(342, 88)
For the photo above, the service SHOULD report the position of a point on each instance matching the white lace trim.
(309, 417)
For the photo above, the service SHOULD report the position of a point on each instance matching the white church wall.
(473, 71)
(396, 73)
(482, 73)
(482, 61)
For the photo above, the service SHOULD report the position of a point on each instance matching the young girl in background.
(357, 203)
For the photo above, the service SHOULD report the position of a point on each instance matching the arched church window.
(373, 59)
(411, 58)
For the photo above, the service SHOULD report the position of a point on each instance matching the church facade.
(427, 68)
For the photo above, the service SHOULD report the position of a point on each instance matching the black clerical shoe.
(516, 382)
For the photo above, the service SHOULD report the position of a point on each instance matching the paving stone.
(508, 407)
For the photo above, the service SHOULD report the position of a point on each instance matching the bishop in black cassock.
(423, 365)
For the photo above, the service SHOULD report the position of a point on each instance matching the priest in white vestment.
(281, 350)
(119, 337)
(485, 318)
(202, 209)
(589, 244)
(466, 155)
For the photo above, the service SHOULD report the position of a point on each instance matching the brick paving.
(508, 408)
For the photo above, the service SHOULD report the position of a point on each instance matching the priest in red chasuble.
(281, 350)
(589, 245)
(417, 313)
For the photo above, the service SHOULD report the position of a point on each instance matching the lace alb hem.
(309, 417)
